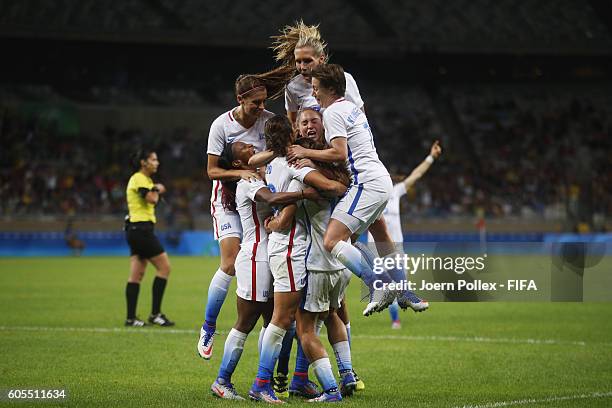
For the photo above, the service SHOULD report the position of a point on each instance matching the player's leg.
(217, 292)
(388, 248)
(248, 314)
(289, 275)
(337, 336)
(162, 265)
(132, 289)
(281, 381)
(315, 351)
(352, 215)
(285, 306)
(344, 317)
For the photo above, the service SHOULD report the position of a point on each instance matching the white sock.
(232, 352)
(261, 336)
(351, 258)
(323, 370)
(222, 279)
(342, 350)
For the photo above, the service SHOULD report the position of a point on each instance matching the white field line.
(466, 339)
(540, 400)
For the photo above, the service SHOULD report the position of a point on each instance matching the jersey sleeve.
(334, 125)
(299, 174)
(352, 91)
(216, 138)
(291, 103)
(138, 181)
(253, 188)
(399, 189)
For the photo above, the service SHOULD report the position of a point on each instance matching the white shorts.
(325, 290)
(253, 277)
(363, 204)
(347, 278)
(225, 223)
(289, 272)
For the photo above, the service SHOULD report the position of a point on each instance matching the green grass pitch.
(61, 327)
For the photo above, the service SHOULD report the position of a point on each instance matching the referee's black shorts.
(142, 240)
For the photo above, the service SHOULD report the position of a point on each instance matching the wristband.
(429, 159)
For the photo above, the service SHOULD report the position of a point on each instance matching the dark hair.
(331, 76)
(333, 171)
(140, 154)
(273, 82)
(278, 132)
(228, 193)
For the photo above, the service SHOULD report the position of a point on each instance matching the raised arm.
(422, 168)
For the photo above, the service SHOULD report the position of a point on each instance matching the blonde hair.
(298, 35)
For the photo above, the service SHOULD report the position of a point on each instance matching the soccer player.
(252, 201)
(142, 196)
(300, 48)
(392, 211)
(287, 247)
(348, 133)
(327, 282)
(243, 123)
(310, 125)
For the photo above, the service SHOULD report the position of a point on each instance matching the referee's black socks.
(159, 286)
(131, 296)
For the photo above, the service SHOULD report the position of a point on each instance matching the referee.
(142, 196)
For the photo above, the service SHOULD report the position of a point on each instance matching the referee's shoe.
(160, 319)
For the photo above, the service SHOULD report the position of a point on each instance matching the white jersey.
(392, 214)
(317, 257)
(298, 93)
(252, 216)
(283, 178)
(226, 129)
(344, 119)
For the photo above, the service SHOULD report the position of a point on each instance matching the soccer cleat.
(265, 394)
(135, 322)
(205, 343)
(360, 384)
(348, 384)
(160, 319)
(379, 301)
(408, 299)
(333, 396)
(224, 389)
(305, 389)
(280, 386)
(396, 325)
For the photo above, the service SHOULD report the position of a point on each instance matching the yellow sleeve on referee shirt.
(139, 209)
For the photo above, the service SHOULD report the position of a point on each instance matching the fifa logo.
(226, 226)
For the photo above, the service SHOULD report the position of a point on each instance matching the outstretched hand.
(436, 149)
